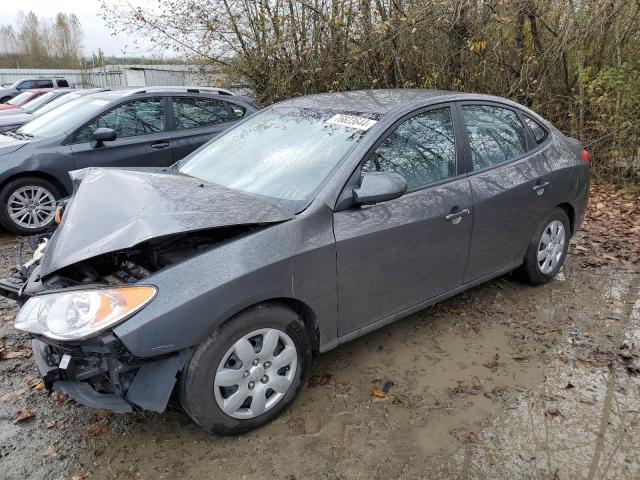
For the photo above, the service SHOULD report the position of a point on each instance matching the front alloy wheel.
(255, 373)
(31, 207)
(248, 370)
(28, 205)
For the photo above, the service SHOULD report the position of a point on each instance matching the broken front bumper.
(105, 375)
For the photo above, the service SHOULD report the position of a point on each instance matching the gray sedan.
(305, 226)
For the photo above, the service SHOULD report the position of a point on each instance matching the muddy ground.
(504, 381)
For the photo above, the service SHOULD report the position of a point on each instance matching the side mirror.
(103, 134)
(377, 187)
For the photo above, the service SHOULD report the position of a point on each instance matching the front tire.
(27, 205)
(547, 249)
(248, 371)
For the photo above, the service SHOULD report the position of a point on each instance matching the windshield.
(34, 105)
(283, 153)
(65, 118)
(20, 98)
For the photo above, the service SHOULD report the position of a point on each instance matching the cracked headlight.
(79, 314)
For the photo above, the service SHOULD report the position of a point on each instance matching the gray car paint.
(349, 269)
(296, 260)
(142, 206)
(53, 158)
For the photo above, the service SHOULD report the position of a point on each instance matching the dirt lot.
(504, 381)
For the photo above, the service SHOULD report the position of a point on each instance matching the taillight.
(586, 156)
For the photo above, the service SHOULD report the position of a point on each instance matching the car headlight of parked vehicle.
(79, 314)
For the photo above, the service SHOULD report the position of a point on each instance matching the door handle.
(539, 189)
(457, 216)
(160, 145)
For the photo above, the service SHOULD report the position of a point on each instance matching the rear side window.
(140, 117)
(422, 149)
(193, 112)
(539, 132)
(496, 135)
(45, 84)
(63, 83)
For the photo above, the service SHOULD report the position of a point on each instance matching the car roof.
(381, 101)
(118, 93)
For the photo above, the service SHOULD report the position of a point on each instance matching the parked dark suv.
(145, 127)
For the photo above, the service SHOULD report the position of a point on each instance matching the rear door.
(143, 139)
(397, 254)
(196, 120)
(510, 182)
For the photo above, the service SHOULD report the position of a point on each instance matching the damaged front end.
(100, 372)
(103, 374)
(96, 272)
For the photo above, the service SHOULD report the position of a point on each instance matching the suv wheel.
(28, 205)
(248, 371)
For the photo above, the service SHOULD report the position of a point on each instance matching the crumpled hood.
(10, 144)
(114, 209)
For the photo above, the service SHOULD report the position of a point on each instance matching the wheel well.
(571, 213)
(43, 176)
(306, 314)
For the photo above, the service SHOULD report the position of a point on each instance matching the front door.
(509, 187)
(142, 139)
(397, 254)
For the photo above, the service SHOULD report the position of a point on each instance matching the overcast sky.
(96, 34)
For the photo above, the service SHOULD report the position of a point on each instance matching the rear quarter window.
(540, 133)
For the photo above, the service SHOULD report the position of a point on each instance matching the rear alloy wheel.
(28, 205)
(248, 371)
(547, 250)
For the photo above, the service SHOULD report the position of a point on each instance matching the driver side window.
(422, 149)
(140, 117)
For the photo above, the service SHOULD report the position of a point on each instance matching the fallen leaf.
(51, 451)
(551, 414)
(568, 386)
(81, 475)
(22, 415)
(98, 451)
(8, 355)
(318, 380)
(472, 437)
(103, 413)
(11, 396)
(378, 393)
(97, 429)
(580, 363)
(586, 334)
(48, 424)
(491, 365)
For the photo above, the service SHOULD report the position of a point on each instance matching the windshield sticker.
(352, 121)
(99, 103)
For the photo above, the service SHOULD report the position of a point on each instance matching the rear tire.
(219, 359)
(43, 195)
(547, 249)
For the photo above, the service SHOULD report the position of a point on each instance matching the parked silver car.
(305, 226)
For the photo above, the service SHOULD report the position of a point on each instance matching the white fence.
(114, 75)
